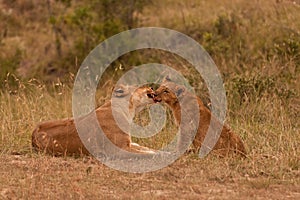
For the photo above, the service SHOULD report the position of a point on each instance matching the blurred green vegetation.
(255, 45)
(72, 30)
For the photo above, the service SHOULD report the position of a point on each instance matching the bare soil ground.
(44, 177)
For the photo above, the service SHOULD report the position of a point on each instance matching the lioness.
(60, 137)
(228, 141)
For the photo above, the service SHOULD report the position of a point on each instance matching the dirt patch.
(41, 177)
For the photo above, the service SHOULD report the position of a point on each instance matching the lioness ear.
(179, 90)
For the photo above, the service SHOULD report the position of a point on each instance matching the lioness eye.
(119, 91)
(166, 91)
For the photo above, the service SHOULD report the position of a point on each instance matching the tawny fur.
(228, 142)
(60, 137)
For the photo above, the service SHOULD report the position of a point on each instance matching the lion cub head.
(169, 92)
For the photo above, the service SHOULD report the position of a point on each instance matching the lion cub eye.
(166, 91)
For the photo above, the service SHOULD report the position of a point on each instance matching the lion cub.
(60, 137)
(228, 141)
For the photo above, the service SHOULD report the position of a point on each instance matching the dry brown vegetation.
(256, 46)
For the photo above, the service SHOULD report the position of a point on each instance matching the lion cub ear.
(166, 79)
(179, 91)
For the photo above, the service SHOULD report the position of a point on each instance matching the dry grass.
(271, 169)
(263, 95)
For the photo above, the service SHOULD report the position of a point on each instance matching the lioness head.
(139, 97)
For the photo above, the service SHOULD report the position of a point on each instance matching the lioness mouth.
(150, 95)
